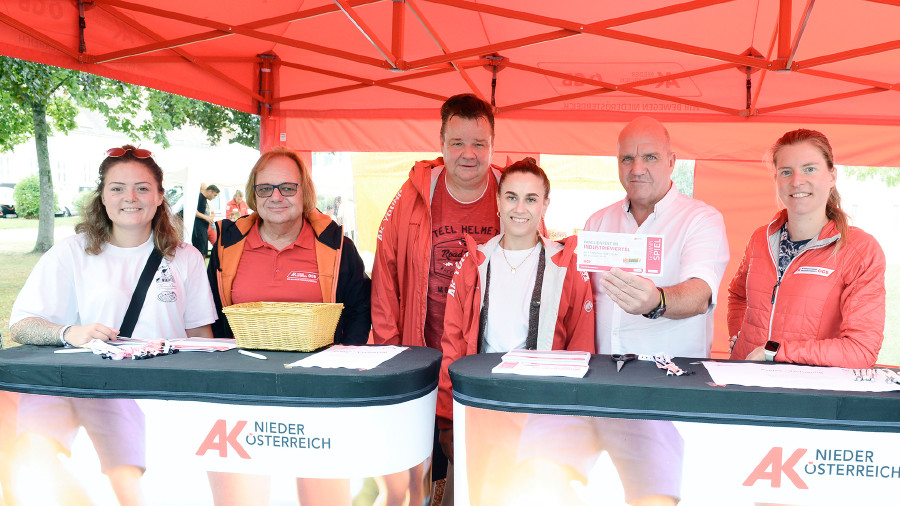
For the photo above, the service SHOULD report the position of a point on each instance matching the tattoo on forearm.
(37, 331)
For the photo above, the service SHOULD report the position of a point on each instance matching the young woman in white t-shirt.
(80, 290)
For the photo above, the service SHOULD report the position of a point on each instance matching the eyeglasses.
(266, 190)
(137, 152)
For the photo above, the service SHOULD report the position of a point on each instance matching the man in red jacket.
(422, 234)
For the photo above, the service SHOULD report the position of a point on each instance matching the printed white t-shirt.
(71, 287)
(510, 298)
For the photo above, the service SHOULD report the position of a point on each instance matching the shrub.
(81, 200)
(27, 195)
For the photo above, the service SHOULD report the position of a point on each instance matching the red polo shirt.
(266, 274)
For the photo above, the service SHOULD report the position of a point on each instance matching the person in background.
(338, 211)
(80, 290)
(286, 251)
(236, 204)
(347, 218)
(810, 288)
(422, 235)
(496, 285)
(204, 218)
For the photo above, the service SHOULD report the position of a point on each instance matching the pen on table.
(254, 355)
(72, 350)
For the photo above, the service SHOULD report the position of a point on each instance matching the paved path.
(21, 240)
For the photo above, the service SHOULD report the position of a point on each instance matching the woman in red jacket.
(236, 204)
(491, 301)
(810, 288)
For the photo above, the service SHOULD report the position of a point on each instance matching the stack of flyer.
(570, 364)
(202, 344)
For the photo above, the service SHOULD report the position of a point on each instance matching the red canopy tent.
(726, 76)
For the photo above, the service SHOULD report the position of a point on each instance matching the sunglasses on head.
(137, 152)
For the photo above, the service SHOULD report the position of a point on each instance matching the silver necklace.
(513, 269)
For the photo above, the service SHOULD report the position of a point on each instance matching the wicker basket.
(283, 326)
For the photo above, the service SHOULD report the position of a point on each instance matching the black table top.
(641, 390)
(225, 377)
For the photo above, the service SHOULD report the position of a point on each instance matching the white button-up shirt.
(694, 246)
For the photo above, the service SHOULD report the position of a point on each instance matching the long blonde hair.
(833, 209)
(97, 226)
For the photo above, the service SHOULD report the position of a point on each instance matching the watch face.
(772, 346)
(656, 313)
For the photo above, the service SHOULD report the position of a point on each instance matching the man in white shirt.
(630, 316)
(671, 314)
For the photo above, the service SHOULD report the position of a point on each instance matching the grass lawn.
(16, 261)
(14, 269)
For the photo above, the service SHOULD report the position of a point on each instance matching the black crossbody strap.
(534, 309)
(140, 293)
(482, 321)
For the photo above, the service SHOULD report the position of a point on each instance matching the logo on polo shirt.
(818, 271)
(308, 277)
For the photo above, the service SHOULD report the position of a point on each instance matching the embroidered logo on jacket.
(818, 271)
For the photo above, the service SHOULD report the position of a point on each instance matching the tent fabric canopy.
(726, 76)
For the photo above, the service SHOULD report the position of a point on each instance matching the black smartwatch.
(771, 349)
(660, 309)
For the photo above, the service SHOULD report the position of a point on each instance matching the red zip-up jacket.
(828, 308)
(403, 257)
(567, 325)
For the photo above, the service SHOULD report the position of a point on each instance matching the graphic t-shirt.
(451, 220)
(70, 287)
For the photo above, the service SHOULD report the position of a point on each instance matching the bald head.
(647, 127)
(646, 162)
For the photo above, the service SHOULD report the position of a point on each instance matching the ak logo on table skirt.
(242, 435)
(801, 465)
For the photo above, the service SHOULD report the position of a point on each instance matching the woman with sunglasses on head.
(287, 251)
(519, 290)
(80, 291)
(810, 288)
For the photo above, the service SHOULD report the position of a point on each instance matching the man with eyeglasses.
(422, 234)
(288, 251)
(204, 217)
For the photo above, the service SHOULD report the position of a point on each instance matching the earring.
(498, 214)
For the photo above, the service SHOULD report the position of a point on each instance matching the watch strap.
(660, 309)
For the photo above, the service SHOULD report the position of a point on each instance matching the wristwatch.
(660, 309)
(771, 349)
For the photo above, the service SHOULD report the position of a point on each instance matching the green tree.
(890, 176)
(36, 100)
